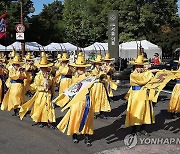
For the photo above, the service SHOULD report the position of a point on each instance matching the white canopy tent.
(126, 50)
(96, 48)
(2, 48)
(60, 47)
(129, 49)
(29, 46)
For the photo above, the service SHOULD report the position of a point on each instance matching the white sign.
(19, 36)
(73, 90)
(20, 28)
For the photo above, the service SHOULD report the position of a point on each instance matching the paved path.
(20, 137)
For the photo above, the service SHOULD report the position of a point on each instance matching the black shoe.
(16, 112)
(41, 125)
(173, 115)
(35, 124)
(50, 126)
(102, 116)
(143, 132)
(86, 140)
(74, 137)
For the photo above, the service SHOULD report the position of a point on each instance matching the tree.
(48, 26)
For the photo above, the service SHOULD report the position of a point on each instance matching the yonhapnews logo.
(131, 140)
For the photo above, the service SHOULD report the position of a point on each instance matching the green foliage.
(48, 26)
(84, 22)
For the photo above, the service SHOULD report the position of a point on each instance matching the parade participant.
(3, 73)
(58, 62)
(64, 73)
(15, 95)
(30, 68)
(43, 110)
(11, 56)
(109, 70)
(156, 59)
(77, 119)
(174, 105)
(139, 109)
(98, 72)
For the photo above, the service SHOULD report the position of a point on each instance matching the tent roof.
(134, 44)
(60, 47)
(29, 46)
(97, 47)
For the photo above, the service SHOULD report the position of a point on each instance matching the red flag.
(3, 25)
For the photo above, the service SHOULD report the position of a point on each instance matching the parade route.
(20, 137)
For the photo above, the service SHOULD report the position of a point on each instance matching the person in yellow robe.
(3, 73)
(15, 95)
(58, 62)
(77, 119)
(30, 69)
(9, 66)
(174, 105)
(99, 105)
(109, 70)
(42, 112)
(139, 109)
(64, 73)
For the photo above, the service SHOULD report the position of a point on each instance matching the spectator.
(156, 59)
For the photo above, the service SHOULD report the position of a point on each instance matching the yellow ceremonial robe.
(65, 78)
(109, 83)
(15, 95)
(99, 94)
(73, 117)
(29, 78)
(139, 109)
(174, 105)
(42, 110)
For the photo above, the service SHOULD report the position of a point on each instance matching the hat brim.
(136, 63)
(94, 61)
(109, 59)
(65, 59)
(40, 65)
(16, 62)
(78, 65)
(28, 59)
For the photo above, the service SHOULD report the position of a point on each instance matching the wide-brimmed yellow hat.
(140, 60)
(16, 60)
(64, 57)
(43, 54)
(107, 57)
(12, 53)
(59, 56)
(80, 62)
(28, 56)
(43, 62)
(98, 59)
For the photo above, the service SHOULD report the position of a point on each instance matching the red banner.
(3, 25)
